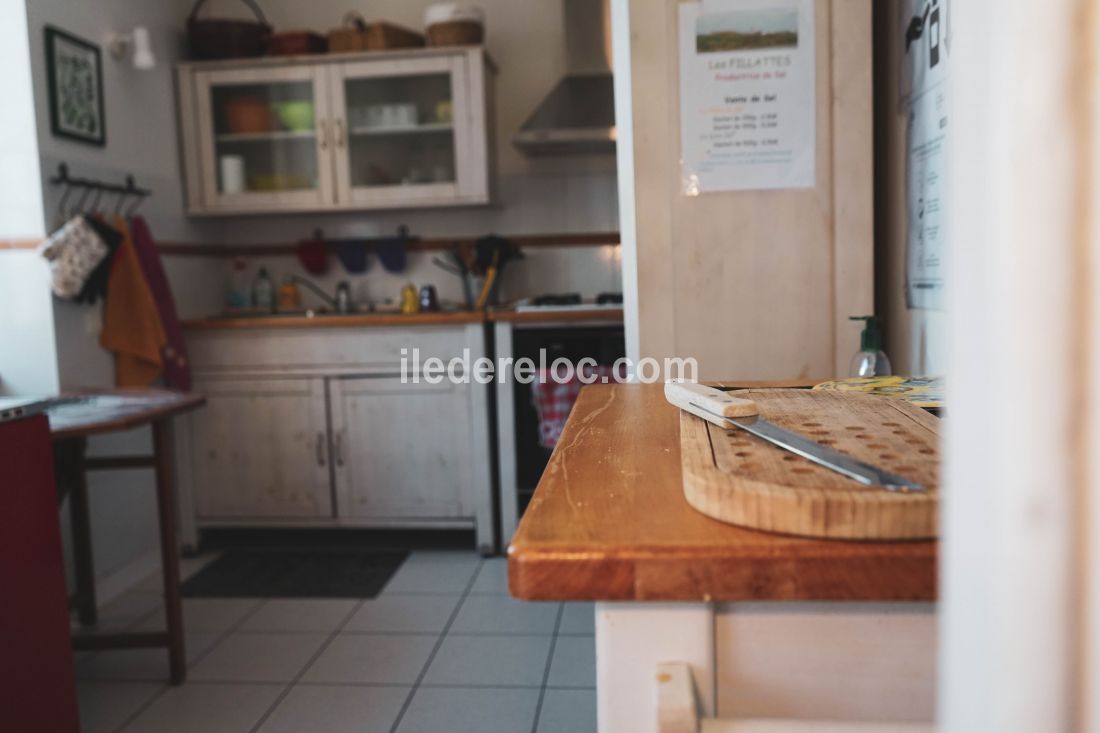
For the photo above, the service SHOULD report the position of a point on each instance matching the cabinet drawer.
(343, 350)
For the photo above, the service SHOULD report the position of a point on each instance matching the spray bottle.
(870, 360)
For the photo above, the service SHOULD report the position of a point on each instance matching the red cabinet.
(37, 681)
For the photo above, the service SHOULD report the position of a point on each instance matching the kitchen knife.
(720, 408)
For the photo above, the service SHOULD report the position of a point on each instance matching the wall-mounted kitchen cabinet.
(384, 130)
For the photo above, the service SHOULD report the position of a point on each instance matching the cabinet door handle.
(339, 132)
(340, 448)
(323, 129)
(321, 449)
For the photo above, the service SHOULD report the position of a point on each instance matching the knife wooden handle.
(707, 402)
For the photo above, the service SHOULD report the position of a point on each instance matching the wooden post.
(1019, 651)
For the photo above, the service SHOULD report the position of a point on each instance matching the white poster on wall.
(747, 95)
(923, 25)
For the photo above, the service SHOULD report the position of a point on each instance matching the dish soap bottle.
(410, 300)
(239, 296)
(263, 291)
(870, 360)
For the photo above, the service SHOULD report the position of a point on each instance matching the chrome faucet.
(341, 303)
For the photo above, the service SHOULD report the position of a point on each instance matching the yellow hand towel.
(131, 322)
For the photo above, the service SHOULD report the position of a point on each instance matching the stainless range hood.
(578, 116)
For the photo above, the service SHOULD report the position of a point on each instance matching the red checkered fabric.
(554, 400)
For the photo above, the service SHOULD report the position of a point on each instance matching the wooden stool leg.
(169, 551)
(72, 455)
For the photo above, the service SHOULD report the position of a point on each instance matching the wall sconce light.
(136, 41)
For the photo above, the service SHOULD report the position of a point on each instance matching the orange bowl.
(247, 114)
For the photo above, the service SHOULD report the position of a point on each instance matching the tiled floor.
(443, 649)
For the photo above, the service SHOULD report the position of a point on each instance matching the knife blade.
(727, 411)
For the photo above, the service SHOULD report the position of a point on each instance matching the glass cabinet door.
(399, 129)
(264, 138)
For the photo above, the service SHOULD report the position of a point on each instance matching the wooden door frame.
(1021, 567)
(660, 227)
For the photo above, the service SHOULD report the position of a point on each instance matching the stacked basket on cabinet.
(446, 24)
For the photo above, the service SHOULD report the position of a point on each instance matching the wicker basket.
(456, 33)
(355, 34)
(296, 43)
(225, 39)
(382, 36)
(350, 36)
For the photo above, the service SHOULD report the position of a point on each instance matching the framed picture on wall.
(75, 71)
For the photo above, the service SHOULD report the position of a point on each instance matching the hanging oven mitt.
(95, 287)
(74, 251)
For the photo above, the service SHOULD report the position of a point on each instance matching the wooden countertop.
(609, 522)
(397, 319)
(551, 316)
(330, 320)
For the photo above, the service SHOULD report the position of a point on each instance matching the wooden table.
(609, 523)
(93, 413)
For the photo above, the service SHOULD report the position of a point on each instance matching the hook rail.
(98, 188)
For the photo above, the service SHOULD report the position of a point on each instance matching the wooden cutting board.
(738, 478)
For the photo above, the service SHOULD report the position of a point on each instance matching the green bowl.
(297, 116)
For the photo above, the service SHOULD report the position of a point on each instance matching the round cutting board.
(736, 477)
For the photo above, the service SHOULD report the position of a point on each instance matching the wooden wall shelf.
(201, 249)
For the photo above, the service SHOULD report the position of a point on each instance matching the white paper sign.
(747, 95)
(924, 91)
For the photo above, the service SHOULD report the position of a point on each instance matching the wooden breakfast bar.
(762, 626)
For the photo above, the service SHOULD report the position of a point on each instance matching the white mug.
(232, 168)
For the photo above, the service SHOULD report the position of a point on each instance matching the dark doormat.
(295, 573)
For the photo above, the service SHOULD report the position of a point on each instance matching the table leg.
(169, 551)
(70, 454)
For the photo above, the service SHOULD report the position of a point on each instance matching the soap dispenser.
(870, 360)
(263, 291)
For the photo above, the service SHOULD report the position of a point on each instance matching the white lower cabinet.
(315, 428)
(260, 449)
(402, 451)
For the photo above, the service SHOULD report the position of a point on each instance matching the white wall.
(20, 205)
(27, 356)
(141, 140)
(28, 361)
